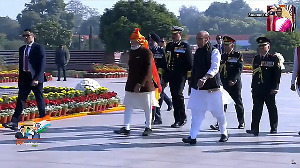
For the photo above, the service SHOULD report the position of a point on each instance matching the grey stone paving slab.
(89, 141)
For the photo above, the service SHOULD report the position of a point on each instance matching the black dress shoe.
(170, 108)
(182, 123)
(58, 79)
(19, 135)
(299, 132)
(255, 133)
(189, 140)
(147, 132)
(122, 131)
(214, 127)
(157, 122)
(65, 79)
(11, 125)
(175, 125)
(241, 126)
(273, 131)
(223, 138)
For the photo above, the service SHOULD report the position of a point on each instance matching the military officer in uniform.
(230, 71)
(179, 60)
(161, 64)
(265, 85)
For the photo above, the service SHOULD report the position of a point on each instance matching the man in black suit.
(61, 61)
(219, 44)
(32, 61)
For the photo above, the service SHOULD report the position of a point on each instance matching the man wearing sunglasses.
(219, 44)
(32, 61)
(265, 85)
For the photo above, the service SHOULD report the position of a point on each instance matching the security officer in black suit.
(219, 44)
(265, 85)
(161, 65)
(32, 62)
(179, 60)
(61, 60)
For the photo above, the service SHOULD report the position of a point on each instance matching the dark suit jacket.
(60, 57)
(37, 59)
(222, 47)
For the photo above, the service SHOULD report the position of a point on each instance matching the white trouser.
(127, 116)
(199, 115)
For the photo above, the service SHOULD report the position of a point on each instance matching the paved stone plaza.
(90, 142)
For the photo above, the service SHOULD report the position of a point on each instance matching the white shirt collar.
(30, 44)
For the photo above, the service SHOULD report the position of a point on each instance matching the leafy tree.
(3, 40)
(9, 27)
(252, 40)
(223, 18)
(13, 44)
(41, 10)
(81, 13)
(92, 21)
(188, 16)
(118, 23)
(52, 34)
(284, 43)
(236, 9)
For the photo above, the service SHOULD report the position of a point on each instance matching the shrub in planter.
(64, 109)
(4, 118)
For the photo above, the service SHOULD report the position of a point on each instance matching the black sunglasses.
(26, 35)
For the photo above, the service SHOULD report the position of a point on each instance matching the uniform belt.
(213, 90)
(210, 90)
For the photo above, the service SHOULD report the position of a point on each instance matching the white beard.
(135, 47)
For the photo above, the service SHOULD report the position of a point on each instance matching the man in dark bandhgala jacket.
(206, 93)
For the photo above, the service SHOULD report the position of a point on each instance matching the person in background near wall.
(219, 44)
(163, 43)
(61, 60)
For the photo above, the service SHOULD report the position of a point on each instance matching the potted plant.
(22, 117)
(37, 114)
(87, 106)
(64, 109)
(32, 113)
(10, 114)
(54, 111)
(48, 110)
(58, 109)
(1, 115)
(4, 117)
